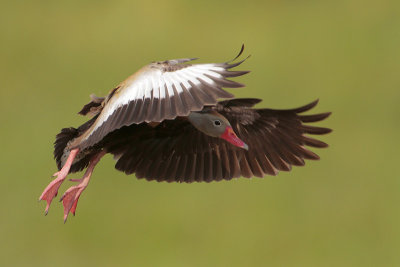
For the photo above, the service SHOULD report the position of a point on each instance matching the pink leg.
(71, 196)
(52, 189)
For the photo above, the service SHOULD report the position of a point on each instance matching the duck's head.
(214, 124)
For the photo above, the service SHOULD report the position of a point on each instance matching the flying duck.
(166, 123)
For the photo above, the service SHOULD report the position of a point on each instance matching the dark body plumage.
(175, 150)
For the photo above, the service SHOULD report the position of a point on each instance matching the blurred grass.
(340, 211)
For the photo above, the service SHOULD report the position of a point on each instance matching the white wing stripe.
(162, 88)
(200, 74)
(139, 87)
(191, 76)
(156, 87)
(206, 79)
(213, 74)
(147, 88)
(169, 86)
(186, 79)
(176, 80)
(155, 81)
(164, 81)
(207, 67)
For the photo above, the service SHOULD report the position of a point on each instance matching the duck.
(167, 122)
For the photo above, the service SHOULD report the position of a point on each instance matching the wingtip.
(241, 51)
(314, 103)
(328, 130)
(326, 115)
(230, 66)
(306, 107)
(314, 117)
(238, 55)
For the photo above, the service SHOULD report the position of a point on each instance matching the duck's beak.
(230, 136)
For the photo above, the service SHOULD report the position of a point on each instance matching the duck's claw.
(51, 190)
(70, 199)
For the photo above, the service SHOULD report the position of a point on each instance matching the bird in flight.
(167, 122)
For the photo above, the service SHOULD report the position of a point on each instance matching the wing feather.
(175, 151)
(160, 91)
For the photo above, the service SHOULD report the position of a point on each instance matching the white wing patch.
(163, 90)
(154, 83)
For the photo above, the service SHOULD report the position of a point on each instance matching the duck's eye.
(217, 123)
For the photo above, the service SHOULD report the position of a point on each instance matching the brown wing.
(175, 151)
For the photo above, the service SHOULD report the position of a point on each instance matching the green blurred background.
(340, 211)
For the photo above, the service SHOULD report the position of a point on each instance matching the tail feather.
(62, 139)
(61, 153)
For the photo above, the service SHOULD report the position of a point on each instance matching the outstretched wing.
(176, 151)
(163, 90)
